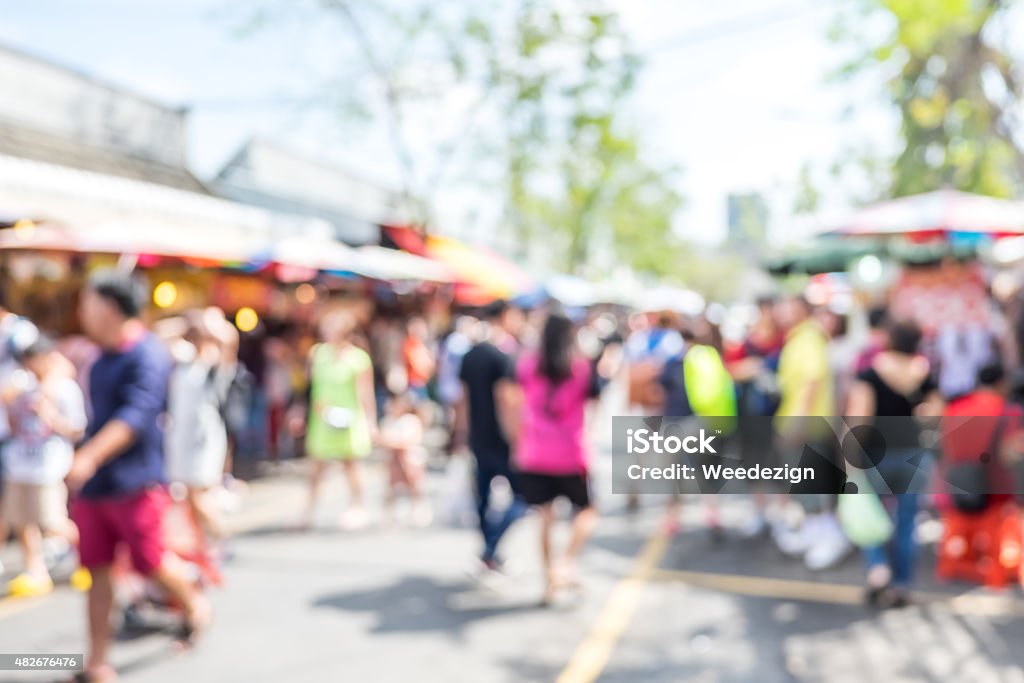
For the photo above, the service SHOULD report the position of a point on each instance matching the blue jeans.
(902, 549)
(487, 469)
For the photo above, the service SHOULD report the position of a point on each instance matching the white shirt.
(34, 454)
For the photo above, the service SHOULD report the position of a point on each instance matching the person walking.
(417, 358)
(807, 401)
(197, 436)
(47, 414)
(401, 433)
(342, 415)
(487, 372)
(896, 384)
(14, 331)
(117, 474)
(552, 453)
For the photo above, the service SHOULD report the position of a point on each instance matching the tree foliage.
(951, 75)
(535, 93)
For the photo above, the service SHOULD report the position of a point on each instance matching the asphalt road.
(398, 604)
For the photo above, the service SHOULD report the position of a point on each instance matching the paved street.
(401, 604)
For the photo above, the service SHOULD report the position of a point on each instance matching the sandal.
(190, 631)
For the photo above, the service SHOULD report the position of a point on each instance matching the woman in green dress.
(341, 425)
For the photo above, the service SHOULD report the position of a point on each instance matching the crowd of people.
(107, 432)
(814, 379)
(104, 433)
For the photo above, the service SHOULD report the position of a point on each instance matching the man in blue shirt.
(118, 470)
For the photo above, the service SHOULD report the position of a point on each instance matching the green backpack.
(709, 387)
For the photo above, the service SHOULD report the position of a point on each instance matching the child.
(401, 433)
(47, 415)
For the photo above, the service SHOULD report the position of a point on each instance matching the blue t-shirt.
(673, 381)
(130, 386)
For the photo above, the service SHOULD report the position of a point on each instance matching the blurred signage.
(948, 294)
(232, 292)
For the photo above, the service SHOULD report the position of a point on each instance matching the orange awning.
(481, 275)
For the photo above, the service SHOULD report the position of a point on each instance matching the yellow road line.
(833, 593)
(591, 655)
(765, 587)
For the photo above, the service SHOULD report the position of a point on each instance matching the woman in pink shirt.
(550, 444)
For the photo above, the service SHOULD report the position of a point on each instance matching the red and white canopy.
(942, 213)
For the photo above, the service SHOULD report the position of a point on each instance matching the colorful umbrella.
(944, 213)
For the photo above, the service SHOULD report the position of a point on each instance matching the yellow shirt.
(803, 363)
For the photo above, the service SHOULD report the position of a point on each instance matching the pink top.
(552, 439)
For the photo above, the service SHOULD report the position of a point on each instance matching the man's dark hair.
(495, 309)
(991, 374)
(904, 337)
(126, 291)
(878, 317)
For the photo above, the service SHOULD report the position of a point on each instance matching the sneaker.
(754, 527)
(354, 519)
(81, 580)
(29, 585)
(829, 545)
(795, 542)
(422, 514)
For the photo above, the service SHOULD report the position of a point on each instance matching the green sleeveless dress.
(334, 378)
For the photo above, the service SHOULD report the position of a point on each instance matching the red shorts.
(135, 520)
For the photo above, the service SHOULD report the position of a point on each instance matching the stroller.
(144, 606)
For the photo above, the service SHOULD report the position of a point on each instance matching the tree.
(576, 172)
(951, 77)
(538, 91)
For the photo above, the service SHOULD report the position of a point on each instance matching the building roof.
(21, 141)
(273, 176)
(65, 116)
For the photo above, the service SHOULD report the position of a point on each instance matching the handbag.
(864, 519)
(970, 479)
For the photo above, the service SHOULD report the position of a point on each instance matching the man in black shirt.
(487, 370)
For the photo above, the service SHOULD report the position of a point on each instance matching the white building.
(265, 174)
(54, 114)
(96, 158)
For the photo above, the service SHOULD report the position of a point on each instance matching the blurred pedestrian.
(753, 364)
(807, 401)
(197, 437)
(878, 339)
(118, 472)
(552, 454)
(342, 417)
(11, 327)
(401, 433)
(47, 414)
(648, 348)
(449, 389)
(417, 358)
(487, 372)
(962, 351)
(278, 387)
(898, 381)
(699, 387)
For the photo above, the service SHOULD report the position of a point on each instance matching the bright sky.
(734, 92)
